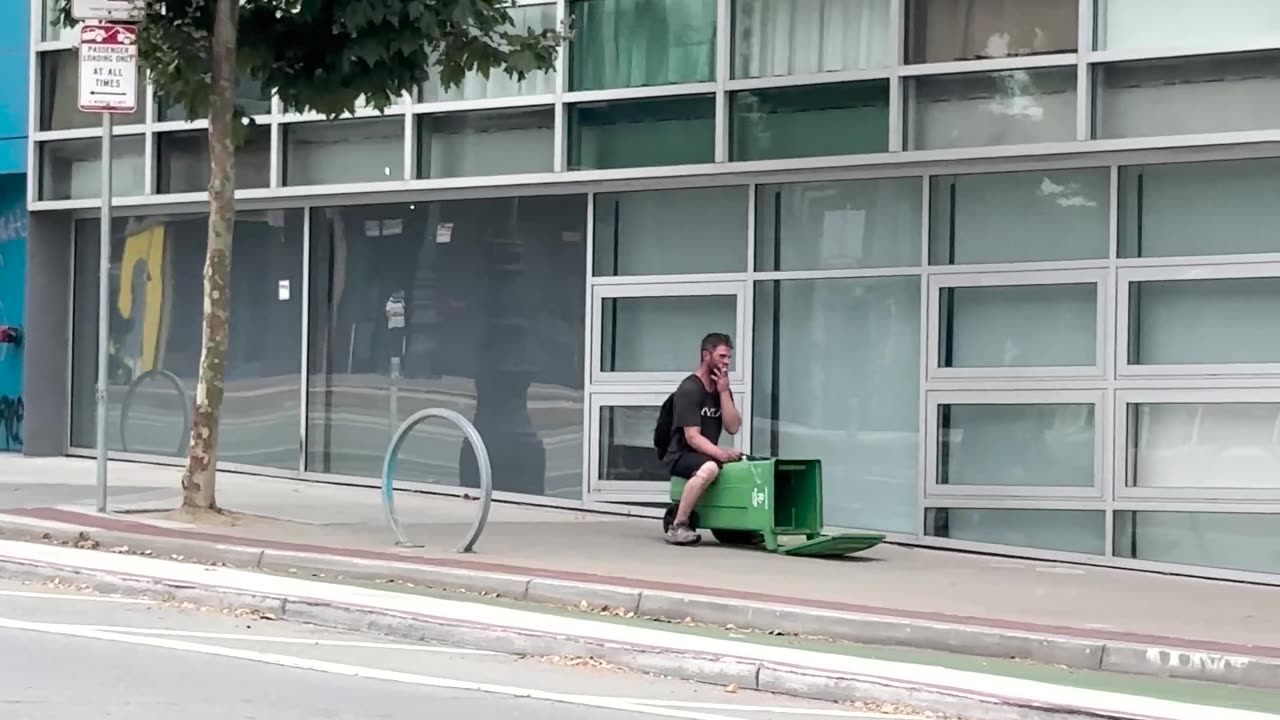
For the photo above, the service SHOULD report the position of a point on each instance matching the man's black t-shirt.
(693, 405)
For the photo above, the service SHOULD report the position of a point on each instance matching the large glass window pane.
(72, 169)
(1036, 216)
(491, 142)
(661, 334)
(344, 151)
(1218, 321)
(251, 97)
(475, 86)
(1176, 24)
(1015, 107)
(60, 95)
(836, 365)
(183, 160)
(157, 303)
(642, 133)
(52, 31)
(1212, 208)
(1204, 445)
(838, 225)
(949, 30)
(807, 37)
(1223, 93)
(811, 121)
(1050, 445)
(1079, 531)
(473, 305)
(671, 232)
(626, 445)
(1230, 541)
(636, 43)
(1018, 326)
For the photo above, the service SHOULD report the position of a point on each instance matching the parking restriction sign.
(108, 68)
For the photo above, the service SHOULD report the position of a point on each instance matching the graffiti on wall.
(13, 238)
(11, 411)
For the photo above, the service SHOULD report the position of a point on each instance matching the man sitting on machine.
(688, 432)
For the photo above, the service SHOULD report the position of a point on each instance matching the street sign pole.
(108, 84)
(104, 310)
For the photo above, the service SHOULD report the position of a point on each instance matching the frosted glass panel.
(642, 133)
(1015, 107)
(1130, 24)
(72, 169)
(344, 151)
(836, 376)
(1214, 208)
(1017, 445)
(807, 37)
(499, 142)
(1018, 326)
(699, 230)
(1019, 217)
(1179, 322)
(837, 225)
(662, 334)
(1233, 541)
(1081, 531)
(1188, 95)
(810, 121)
(1195, 445)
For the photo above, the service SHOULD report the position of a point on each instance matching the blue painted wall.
(15, 54)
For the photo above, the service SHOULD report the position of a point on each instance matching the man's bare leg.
(693, 491)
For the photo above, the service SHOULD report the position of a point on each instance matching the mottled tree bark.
(198, 481)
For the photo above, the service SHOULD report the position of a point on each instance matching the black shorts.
(687, 464)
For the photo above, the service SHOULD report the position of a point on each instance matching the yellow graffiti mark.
(147, 247)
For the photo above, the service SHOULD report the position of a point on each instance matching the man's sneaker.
(683, 535)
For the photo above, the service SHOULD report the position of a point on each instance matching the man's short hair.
(715, 340)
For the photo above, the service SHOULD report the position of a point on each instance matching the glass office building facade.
(1005, 266)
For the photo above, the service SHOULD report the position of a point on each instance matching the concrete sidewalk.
(739, 661)
(1057, 614)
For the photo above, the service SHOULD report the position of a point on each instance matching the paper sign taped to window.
(444, 233)
(283, 291)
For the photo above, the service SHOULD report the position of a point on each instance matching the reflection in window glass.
(950, 30)
(662, 334)
(1234, 541)
(1079, 531)
(807, 37)
(664, 232)
(1037, 216)
(1017, 445)
(1183, 96)
(472, 305)
(72, 169)
(626, 445)
(838, 225)
(642, 133)
(637, 43)
(1013, 107)
(490, 142)
(836, 376)
(157, 303)
(1170, 210)
(810, 121)
(54, 32)
(251, 97)
(1204, 445)
(1212, 321)
(475, 86)
(1176, 24)
(344, 151)
(183, 160)
(1018, 326)
(60, 95)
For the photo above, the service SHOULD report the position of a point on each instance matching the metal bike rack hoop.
(128, 404)
(482, 460)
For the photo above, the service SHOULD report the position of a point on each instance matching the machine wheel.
(737, 537)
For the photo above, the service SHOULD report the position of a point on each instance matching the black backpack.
(662, 431)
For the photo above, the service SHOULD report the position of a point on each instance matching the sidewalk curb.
(1187, 663)
(679, 664)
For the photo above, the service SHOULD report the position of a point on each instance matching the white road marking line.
(362, 672)
(283, 640)
(821, 712)
(87, 598)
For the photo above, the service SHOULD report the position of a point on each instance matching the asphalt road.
(68, 654)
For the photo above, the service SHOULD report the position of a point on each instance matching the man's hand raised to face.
(721, 378)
